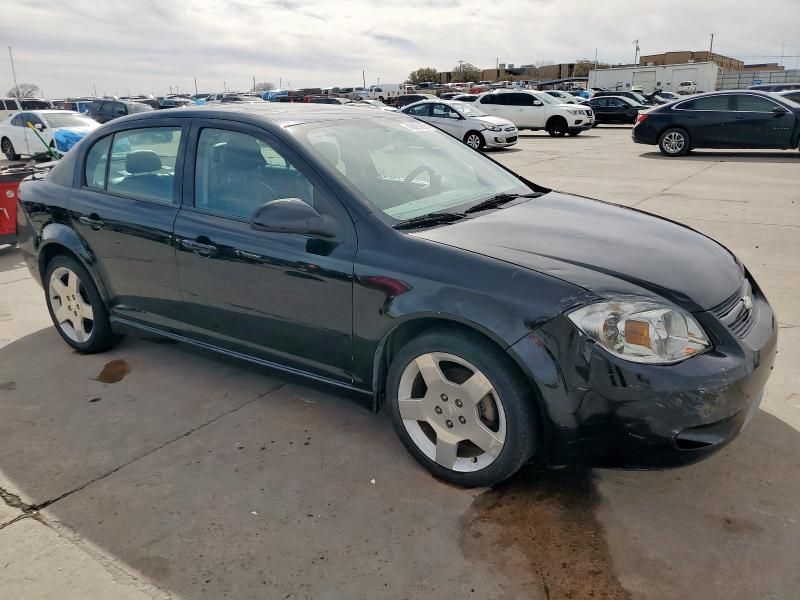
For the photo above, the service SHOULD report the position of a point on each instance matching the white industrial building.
(652, 77)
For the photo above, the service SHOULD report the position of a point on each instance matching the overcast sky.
(145, 46)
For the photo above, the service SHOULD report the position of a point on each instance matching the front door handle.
(248, 255)
(202, 249)
(92, 222)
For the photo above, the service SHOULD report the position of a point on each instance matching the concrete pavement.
(160, 471)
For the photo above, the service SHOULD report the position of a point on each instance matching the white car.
(466, 122)
(687, 87)
(565, 97)
(537, 110)
(58, 129)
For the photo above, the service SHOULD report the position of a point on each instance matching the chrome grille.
(738, 313)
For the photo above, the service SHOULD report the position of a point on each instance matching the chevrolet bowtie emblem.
(748, 302)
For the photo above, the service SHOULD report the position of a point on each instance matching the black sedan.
(496, 321)
(615, 109)
(737, 119)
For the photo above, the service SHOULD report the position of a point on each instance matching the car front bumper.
(500, 139)
(602, 411)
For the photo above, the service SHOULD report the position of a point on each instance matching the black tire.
(674, 142)
(574, 132)
(8, 149)
(101, 337)
(522, 436)
(474, 139)
(557, 127)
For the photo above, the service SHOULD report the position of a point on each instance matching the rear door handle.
(202, 249)
(247, 255)
(94, 223)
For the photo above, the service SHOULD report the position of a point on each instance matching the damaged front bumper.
(602, 411)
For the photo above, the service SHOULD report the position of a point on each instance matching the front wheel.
(474, 140)
(574, 132)
(674, 142)
(76, 307)
(557, 127)
(8, 149)
(461, 408)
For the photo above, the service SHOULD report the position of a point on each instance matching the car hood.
(608, 249)
(494, 121)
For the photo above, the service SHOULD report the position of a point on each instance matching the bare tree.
(24, 90)
(264, 86)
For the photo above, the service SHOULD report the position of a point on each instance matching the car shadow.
(10, 258)
(781, 156)
(211, 477)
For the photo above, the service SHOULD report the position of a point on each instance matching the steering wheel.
(435, 179)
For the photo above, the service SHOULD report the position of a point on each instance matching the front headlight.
(494, 127)
(574, 111)
(641, 330)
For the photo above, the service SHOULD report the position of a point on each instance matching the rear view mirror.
(292, 215)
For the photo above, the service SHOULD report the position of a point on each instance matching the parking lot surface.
(160, 471)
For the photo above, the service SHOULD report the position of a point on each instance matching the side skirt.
(246, 357)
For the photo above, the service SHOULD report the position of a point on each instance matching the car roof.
(282, 114)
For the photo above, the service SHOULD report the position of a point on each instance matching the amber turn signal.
(637, 333)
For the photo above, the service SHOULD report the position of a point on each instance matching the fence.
(737, 80)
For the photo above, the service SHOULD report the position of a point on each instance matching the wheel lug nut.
(449, 423)
(462, 420)
(438, 410)
(458, 403)
(443, 397)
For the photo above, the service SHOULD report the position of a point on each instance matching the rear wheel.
(461, 408)
(474, 140)
(8, 149)
(76, 307)
(674, 142)
(557, 127)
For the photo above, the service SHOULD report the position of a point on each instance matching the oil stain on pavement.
(541, 527)
(114, 371)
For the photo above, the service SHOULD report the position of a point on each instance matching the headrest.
(142, 161)
(329, 151)
(242, 153)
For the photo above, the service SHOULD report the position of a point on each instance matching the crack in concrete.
(36, 507)
(669, 187)
(15, 501)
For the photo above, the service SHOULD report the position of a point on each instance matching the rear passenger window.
(236, 173)
(96, 161)
(143, 163)
(707, 103)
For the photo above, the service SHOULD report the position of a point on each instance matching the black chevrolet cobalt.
(496, 321)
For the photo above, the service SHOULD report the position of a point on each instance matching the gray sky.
(144, 46)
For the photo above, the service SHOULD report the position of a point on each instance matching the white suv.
(687, 87)
(537, 110)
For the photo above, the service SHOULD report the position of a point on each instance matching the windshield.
(547, 98)
(639, 98)
(405, 168)
(468, 110)
(67, 120)
(786, 99)
(137, 107)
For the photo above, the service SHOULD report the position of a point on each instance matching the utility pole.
(595, 68)
(13, 71)
(783, 48)
(711, 47)
(636, 52)
(224, 87)
(195, 86)
(280, 83)
(363, 78)
(254, 83)
(94, 85)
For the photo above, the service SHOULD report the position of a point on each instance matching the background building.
(687, 57)
(653, 77)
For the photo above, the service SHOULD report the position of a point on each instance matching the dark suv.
(635, 96)
(406, 99)
(104, 111)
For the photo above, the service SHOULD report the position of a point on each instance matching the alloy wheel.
(71, 305)
(674, 142)
(452, 412)
(8, 149)
(474, 141)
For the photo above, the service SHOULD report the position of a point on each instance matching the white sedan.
(466, 122)
(58, 129)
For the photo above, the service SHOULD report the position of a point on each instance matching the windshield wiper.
(499, 200)
(429, 220)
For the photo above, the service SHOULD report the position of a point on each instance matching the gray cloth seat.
(144, 177)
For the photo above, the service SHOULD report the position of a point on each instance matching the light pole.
(13, 71)
(636, 51)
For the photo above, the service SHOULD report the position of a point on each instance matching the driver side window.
(235, 173)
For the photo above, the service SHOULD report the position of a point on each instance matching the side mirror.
(779, 111)
(538, 103)
(39, 126)
(292, 215)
